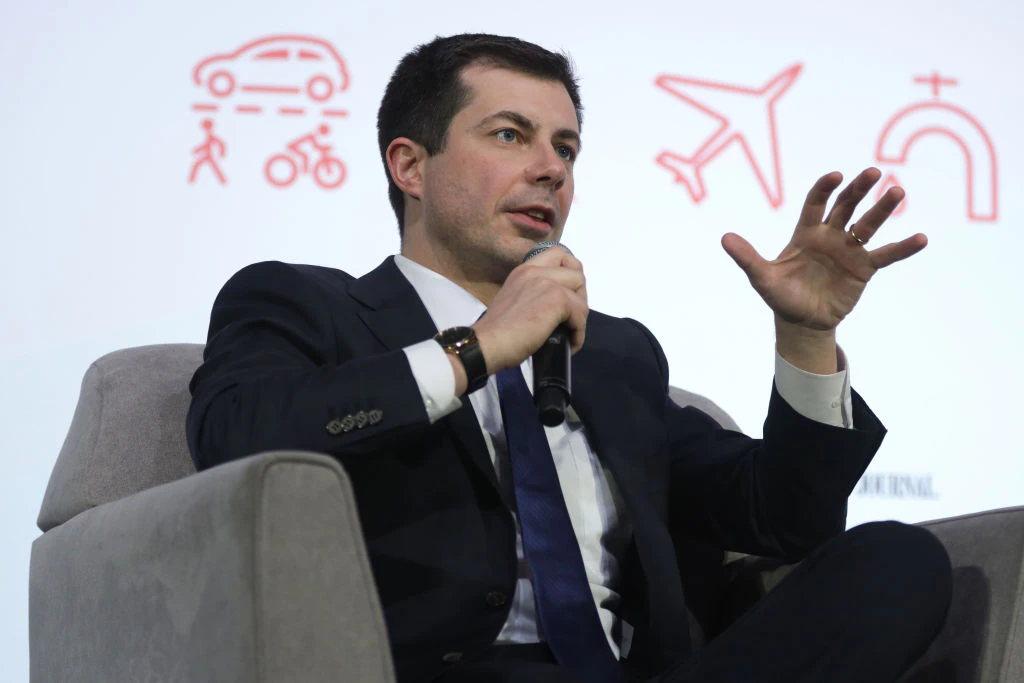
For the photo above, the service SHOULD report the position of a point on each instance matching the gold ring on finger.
(857, 239)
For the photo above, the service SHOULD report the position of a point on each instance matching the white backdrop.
(109, 245)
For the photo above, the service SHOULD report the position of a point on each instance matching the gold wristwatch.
(462, 343)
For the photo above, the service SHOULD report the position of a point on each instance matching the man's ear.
(405, 162)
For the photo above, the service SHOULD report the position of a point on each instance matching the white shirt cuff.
(434, 377)
(822, 398)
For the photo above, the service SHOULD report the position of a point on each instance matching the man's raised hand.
(820, 275)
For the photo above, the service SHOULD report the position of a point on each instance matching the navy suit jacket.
(293, 348)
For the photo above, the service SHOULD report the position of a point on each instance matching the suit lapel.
(602, 401)
(397, 318)
(623, 438)
(394, 313)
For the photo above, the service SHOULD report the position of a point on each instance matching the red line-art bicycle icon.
(329, 171)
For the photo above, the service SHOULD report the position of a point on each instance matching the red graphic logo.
(912, 123)
(286, 66)
(745, 115)
(328, 172)
(291, 75)
(205, 154)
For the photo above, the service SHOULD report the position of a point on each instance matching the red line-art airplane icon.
(745, 115)
(936, 117)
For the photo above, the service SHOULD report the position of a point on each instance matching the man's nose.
(548, 168)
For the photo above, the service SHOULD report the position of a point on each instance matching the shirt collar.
(447, 303)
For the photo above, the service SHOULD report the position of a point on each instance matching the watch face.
(454, 335)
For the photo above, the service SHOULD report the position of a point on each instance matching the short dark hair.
(426, 92)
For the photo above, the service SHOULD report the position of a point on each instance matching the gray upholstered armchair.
(147, 571)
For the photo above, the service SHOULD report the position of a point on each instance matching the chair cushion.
(128, 430)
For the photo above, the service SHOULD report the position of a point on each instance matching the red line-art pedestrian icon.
(206, 155)
(936, 117)
(329, 172)
(745, 115)
(284, 65)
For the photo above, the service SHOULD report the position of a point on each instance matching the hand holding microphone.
(552, 365)
(540, 311)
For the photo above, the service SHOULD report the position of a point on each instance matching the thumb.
(745, 256)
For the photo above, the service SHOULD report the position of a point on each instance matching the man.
(504, 551)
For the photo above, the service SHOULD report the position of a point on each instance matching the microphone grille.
(543, 246)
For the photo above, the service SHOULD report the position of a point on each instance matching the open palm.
(820, 275)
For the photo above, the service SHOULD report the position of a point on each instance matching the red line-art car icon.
(281, 64)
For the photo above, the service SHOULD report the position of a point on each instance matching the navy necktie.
(565, 605)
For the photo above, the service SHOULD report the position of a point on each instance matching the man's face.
(504, 180)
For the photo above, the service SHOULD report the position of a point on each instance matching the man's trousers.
(860, 608)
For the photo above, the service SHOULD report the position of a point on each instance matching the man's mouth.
(536, 216)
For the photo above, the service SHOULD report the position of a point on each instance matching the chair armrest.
(983, 638)
(255, 570)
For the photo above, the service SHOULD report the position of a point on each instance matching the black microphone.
(552, 365)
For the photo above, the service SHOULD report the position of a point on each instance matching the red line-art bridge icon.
(935, 117)
(745, 115)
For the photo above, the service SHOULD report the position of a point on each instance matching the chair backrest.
(688, 398)
(128, 430)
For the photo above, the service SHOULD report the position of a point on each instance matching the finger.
(870, 222)
(817, 198)
(568, 278)
(897, 251)
(849, 198)
(568, 260)
(555, 256)
(745, 256)
(576, 319)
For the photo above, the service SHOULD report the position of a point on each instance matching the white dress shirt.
(595, 507)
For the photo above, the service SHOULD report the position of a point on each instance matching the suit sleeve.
(778, 496)
(276, 376)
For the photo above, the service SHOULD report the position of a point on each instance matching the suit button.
(375, 416)
(452, 657)
(361, 419)
(334, 427)
(347, 423)
(496, 599)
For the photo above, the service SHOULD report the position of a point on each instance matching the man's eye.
(567, 152)
(507, 135)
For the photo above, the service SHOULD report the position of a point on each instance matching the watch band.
(462, 342)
